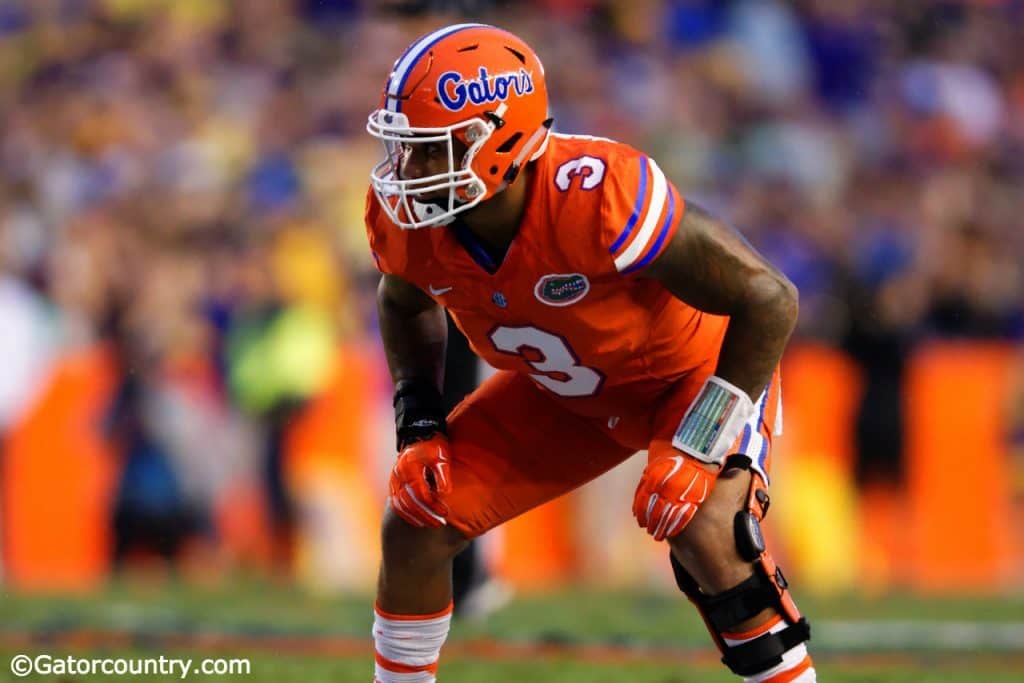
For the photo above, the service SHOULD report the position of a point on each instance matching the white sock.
(408, 647)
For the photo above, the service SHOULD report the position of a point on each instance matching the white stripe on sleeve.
(654, 209)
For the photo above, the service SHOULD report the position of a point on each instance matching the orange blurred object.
(962, 535)
(58, 480)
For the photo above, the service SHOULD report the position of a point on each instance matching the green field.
(592, 636)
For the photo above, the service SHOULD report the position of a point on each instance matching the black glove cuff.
(419, 413)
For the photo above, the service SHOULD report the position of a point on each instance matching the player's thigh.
(515, 447)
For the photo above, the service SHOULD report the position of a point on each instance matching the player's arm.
(709, 265)
(415, 333)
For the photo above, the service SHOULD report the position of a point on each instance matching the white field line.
(890, 635)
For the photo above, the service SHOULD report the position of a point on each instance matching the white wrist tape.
(713, 421)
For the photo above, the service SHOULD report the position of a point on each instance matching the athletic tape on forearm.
(713, 421)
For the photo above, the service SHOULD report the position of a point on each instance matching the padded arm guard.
(713, 421)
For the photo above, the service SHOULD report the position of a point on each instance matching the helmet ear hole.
(507, 146)
(493, 169)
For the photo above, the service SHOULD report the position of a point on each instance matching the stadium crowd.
(184, 180)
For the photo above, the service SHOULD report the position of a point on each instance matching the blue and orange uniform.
(596, 361)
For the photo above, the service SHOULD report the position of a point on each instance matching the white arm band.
(713, 421)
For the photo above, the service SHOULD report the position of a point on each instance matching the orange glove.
(670, 491)
(419, 481)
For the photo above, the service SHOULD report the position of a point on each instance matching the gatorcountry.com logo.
(562, 290)
(454, 91)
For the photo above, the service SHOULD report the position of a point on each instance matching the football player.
(620, 317)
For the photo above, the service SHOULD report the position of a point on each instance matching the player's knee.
(709, 551)
(707, 546)
(710, 527)
(404, 543)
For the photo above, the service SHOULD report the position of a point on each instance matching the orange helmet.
(474, 82)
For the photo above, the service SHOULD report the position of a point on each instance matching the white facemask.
(398, 196)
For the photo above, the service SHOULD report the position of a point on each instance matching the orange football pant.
(515, 446)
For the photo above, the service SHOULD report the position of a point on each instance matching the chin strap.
(427, 210)
(540, 136)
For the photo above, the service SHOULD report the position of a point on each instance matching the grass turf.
(571, 636)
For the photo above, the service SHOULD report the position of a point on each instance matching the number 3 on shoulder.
(589, 169)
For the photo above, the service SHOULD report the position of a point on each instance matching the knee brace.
(767, 587)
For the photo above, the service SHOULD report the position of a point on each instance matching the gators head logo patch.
(561, 290)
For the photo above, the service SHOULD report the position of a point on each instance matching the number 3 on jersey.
(589, 169)
(558, 368)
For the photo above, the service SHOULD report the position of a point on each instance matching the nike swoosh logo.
(439, 291)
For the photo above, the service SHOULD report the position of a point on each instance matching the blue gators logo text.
(561, 290)
(454, 91)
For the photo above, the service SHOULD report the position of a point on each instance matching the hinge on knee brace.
(749, 541)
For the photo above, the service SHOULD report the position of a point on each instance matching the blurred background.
(191, 383)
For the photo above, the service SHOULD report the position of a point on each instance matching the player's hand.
(419, 482)
(671, 490)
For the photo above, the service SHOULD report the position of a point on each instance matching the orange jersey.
(569, 305)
